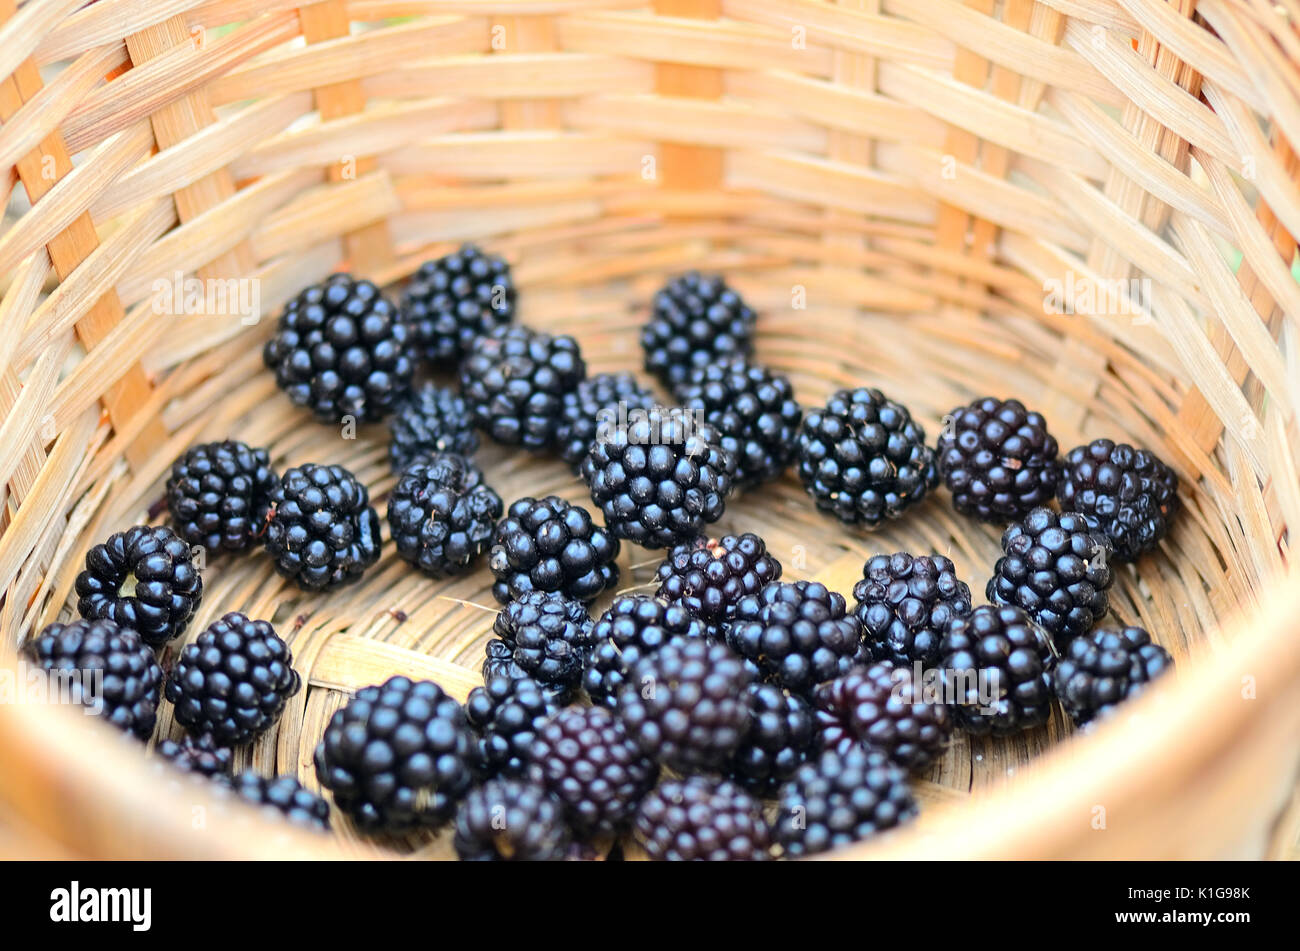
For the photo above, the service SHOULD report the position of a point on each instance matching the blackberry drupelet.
(322, 531)
(696, 320)
(549, 636)
(905, 602)
(510, 820)
(1128, 492)
(996, 671)
(505, 714)
(398, 757)
(434, 419)
(232, 682)
(284, 796)
(595, 406)
(863, 458)
(1101, 670)
(341, 349)
(661, 479)
(451, 301)
(441, 515)
(710, 576)
(201, 756)
(550, 545)
(514, 380)
(840, 798)
(634, 627)
(1056, 567)
(697, 819)
(144, 579)
(997, 459)
(105, 664)
(778, 742)
(881, 707)
(218, 495)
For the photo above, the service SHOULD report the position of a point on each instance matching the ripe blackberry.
(996, 670)
(595, 406)
(454, 299)
(753, 409)
(997, 459)
(441, 515)
(232, 681)
(514, 380)
(550, 545)
(863, 459)
(778, 742)
(218, 495)
(696, 320)
(585, 757)
(398, 756)
(434, 419)
(1128, 492)
(797, 633)
(549, 636)
(505, 714)
(340, 350)
(660, 479)
(1101, 670)
(143, 579)
(201, 756)
(840, 798)
(1056, 567)
(710, 576)
(634, 627)
(285, 797)
(905, 603)
(108, 668)
(882, 708)
(322, 532)
(702, 820)
(509, 820)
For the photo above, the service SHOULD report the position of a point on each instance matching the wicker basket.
(1089, 204)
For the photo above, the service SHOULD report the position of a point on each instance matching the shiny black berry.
(634, 626)
(505, 714)
(696, 320)
(595, 407)
(454, 299)
(441, 515)
(549, 636)
(779, 740)
(1101, 670)
(996, 671)
(699, 819)
(144, 579)
(997, 459)
(218, 495)
(433, 419)
(905, 602)
(710, 575)
(284, 796)
(511, 820)
(882, 707)
(1129, 493)
(322, 532)
(551, 545)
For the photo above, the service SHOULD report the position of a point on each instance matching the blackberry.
(200, 756)
(322, 532)
(219, 493)
(863, 459)
(434, 419)
(778, 742)
(285, 797)
(340, 349)
(797, 633)
(143, 579)
(550, 545)
(585, 757)
(441, 515)
(1101, 670)
(1128, 492)
(661, 479)
(882, 708)
(753, 409)
(710, 576)
(905, 603)
(549, 636)
(108, 669)
(505, 714)
(509, 820)
(702, 820)
(996, 670)
(1056, 567)
(454, 299)
(232, 681)
(399, 756)
(997, 459)
(840, 798)
(634, 627)
(514, 380)
(696, 320)
(596, 405)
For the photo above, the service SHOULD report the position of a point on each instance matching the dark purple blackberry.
(863, 458)
(778, 742)
(441, 515)
(341, 350)
(596, 406)
(549, 636)
(661, 479)
(104, 667)
(201, 756)
(322, 532)
(697, 819)
(997, 459)
(710, 576)
(696, 320)
(882, 708)
(840, 798)
(1128, 492)
(284, 796)
(232, 681)
(1101, 670)
(550, 545)
(1056, 567)
(499, 661)
(510, 820)
(635, 626)
(219, 493)
(399, 756)
(454, 299)
(505, 714)
(434, 419)
(905, 603)
(144, 579)
(996, 671)
(514, 380)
